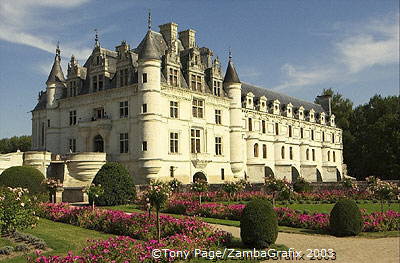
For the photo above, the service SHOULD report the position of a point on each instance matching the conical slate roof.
(56, 73)
(148, 49)
(231, 75)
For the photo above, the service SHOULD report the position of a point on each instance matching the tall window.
(144, 77)
(198, 108)
(126, 77)
(290, 131)
(307, 154)
(94, 83)
(123, 143)
(123, 109)
(43, 134)
(144, 108)
(333, 138)
(73, 90)
(276, 128)
(222, 174)
(101, 81)
(323, 136)
(195, 140)
(264, 151)
(173, 77)
(312, 135)
(173, 142)
(334, 156)
(256, 150)
(195, 82)
(173, 109)
(329, 156)
(144, 146)
(171, 171)
(283, 152)
(48, 123)
(313, 154)
(291, 153)
(250, 124)
(263, 128)
(217, 88)
(301, 133)
(72, 117)
(217, 116)
(72, 145)
(218, 146)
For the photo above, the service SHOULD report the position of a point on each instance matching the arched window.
(256, 150)
(329, 156)
(283, 152)
(264, 151)
(334, 156)
(307, 154)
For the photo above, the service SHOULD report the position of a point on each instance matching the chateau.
(166, 110)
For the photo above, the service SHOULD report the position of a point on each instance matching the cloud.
(20, 17)
(362, 46)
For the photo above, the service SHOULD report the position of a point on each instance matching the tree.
(9, 145)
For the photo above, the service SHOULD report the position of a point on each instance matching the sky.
(291, 46)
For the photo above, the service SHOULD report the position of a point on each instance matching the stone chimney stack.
(169, 32)
(188, 38)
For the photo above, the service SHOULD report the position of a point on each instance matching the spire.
(149, 20)
(231, 75)
(96, 39)
(147, 48)
(56, 73)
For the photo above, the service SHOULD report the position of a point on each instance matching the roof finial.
(96, 38)
(149, 20)
(58, 51)
(230, 54)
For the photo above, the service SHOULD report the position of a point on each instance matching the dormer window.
(249, 100)
(332, 120)
(322, 118)
(301, 113)
(123, 77)
(173, 77)
(276, 108)
(217, 88)
(312, 115)
(195, 83)
(289, 110)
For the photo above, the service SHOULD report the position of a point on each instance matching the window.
(101, 77)
(48, 123)
(123, 109)
(195, 82)
(197, 108)
(313, 154)
(218, 146)
(290, 131)
(144, 108)
(72, 145)
(301, 133)
(264, 151)
(99, 113)
(217, 88)
(312, 135)
(222, 174)
(144, 146)
(173, 77)
(334, 156)
(43, 134)
(73, 90)
(72, 117)
(283, 152)
(323, 136)
(173, 109)
(94, 83)
(329, 156)
(256, 150)
(217, 116)
(144, 77)
(171, 171)
(333, 138)
(126, 77)
(250, 124)
(307, 154)
(195, 140)
(123, 143)
(263, 126)
(291, 153)
(121, 78)
(173, 142)
(276, 128)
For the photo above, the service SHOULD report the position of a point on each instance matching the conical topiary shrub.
(345, 219)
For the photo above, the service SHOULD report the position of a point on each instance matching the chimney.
(188, 38)
(169, 31)
(325, 102)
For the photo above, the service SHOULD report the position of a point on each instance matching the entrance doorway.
(98, 144)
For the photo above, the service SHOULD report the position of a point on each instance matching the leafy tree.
(9, 145)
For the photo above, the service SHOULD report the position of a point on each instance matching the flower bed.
(374, 222)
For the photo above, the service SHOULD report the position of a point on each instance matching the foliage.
(117, 183)
(175, 185)
(301, 185)
(24, 177)
(345, 219)
(199, 186)
(13, 144)
(17, 210)
(348, 183)
(157, 193)
(280, 189)
(383, 191)
(52, 184)
(258, 224)
(94, 192)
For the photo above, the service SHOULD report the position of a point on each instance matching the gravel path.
(348, 249)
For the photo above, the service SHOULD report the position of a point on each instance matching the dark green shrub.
(258, 224)
(345, 219)
(118, 185)
(301, 185)
(25, 177)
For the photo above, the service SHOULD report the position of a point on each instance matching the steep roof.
(56, 73)
(283, 99)
(231, 75)
(147, 49)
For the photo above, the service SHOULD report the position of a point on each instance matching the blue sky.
(295, 47)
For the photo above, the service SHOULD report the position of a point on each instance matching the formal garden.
(124, 225)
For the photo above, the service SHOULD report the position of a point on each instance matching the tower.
(149, 72)
(234, 88)
(55, 82)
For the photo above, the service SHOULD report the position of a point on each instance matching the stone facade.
(165, 110)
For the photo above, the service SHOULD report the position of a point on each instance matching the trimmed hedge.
(258, 224)
(345, 219)
(25, 177)
(118, 185)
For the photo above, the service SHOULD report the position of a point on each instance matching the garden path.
(348, 249)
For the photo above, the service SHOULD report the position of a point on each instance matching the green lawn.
(5, 242)
(61, 238)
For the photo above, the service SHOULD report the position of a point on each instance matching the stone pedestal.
(58, 195)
